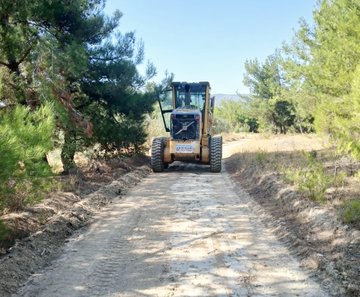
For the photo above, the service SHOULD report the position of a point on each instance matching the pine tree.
(323, 65)
(65, 67)
(26, 136)
(71, 54)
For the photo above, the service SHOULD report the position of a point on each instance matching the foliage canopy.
(65, 66)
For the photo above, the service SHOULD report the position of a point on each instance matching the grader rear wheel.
(215, 153)
(157, 154)
(164, 139)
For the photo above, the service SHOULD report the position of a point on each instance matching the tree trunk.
(68, 152)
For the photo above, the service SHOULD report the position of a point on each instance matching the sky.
(210, 40)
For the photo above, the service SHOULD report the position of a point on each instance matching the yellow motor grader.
(187, 111)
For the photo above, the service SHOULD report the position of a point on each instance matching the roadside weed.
(351, 211)
(312, 178)
(260, 157)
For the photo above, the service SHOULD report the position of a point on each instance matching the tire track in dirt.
(114, 260)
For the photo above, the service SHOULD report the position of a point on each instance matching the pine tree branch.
(5, 64)
(27, 52)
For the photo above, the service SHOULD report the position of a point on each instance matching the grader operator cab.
(187, 112)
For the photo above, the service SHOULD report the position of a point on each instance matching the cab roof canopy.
(194, 86)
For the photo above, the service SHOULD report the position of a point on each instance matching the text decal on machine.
(184, 148)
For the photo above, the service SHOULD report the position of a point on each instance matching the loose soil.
(313, 230)
(185, 232)
(38, 233)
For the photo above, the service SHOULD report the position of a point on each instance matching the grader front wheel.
(215, 153)
(157, 154)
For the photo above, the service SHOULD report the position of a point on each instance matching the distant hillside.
(221, 97)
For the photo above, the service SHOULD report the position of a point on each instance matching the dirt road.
(184, 232)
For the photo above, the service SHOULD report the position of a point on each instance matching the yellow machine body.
(187, 111)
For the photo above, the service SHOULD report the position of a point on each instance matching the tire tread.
(215, 153)
(157, 154)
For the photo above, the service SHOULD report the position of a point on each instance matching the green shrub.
(26, 137)
(312, 178)
(260, 157)
(315, 182)
(351, 211)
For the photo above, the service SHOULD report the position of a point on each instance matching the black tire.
(157, 154)
(164, 139)
(215, 153)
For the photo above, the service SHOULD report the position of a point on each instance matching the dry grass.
(290, 154)
(246, 142)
